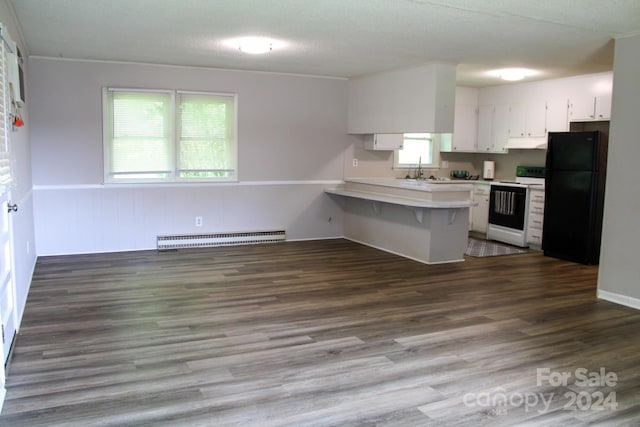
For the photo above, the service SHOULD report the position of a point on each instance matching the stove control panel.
(530, 171)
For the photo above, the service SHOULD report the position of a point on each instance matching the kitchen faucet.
(419, 172)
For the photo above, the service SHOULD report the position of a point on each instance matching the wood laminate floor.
(319, 333)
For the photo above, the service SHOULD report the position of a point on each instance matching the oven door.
(508, 206)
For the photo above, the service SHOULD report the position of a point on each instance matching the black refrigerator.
(574, 195)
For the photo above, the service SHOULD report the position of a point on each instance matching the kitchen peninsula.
(424, 220)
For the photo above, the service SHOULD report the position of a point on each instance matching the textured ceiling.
(341, 38)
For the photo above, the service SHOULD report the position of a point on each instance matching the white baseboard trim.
(23, 304)
(619, 299)
(154, 248)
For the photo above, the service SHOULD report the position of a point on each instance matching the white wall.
(619, 274)
(22, 221)
(292, 139)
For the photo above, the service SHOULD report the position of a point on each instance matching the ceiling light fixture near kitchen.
(255, 45)
(513, 74)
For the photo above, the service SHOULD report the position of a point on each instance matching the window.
(152, 136)
(418, 149)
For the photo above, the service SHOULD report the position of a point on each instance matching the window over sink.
(419, 149)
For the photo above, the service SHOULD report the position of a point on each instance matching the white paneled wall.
(87, 219)
(292, 134)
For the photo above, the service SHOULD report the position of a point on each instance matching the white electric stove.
(509, 206)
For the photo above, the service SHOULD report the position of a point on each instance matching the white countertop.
(410, 193)
(396, 200)
(420, 185)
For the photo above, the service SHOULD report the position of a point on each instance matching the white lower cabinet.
(536, 217)
(480, 213)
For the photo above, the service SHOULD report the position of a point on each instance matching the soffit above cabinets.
(413, 100)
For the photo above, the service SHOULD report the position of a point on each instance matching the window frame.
(435, 153)
(173, 116)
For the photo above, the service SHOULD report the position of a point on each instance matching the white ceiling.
(341, 38)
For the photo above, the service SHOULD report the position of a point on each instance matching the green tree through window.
(145, 141)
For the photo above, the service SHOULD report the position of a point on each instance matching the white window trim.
(435, 164)
(172, 177)
(233, 178)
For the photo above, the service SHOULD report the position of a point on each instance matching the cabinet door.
(500, 128)
(485, 128)
(557, 118)
(527, 120)
(384, 141)
(582, 108)
(603, 107)
(464, 128)
(536, 119)
(480, 213)
(517, 120)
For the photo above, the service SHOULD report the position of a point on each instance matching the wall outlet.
(444, 164)
(198, 221)
(355, 163)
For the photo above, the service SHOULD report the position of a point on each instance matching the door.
(507, 206)
(568, 216)
(480, 213)
(7, 289)
(485, 128)
(582, 108)
(572, 151)
(465, 128)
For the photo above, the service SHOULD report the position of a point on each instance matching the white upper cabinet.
(465, 127)
(587, 108)
(384, 141)
(520, 116)
(603, 107)
(493, 128)
(517, 120)
(557, 119)
(500, 128)
(465, 122)
(582, 108)
(527, 120)
(485, 128)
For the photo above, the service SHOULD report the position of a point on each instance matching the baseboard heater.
(179, 241)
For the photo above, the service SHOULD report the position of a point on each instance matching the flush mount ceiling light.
(255, 45)
(513, 74)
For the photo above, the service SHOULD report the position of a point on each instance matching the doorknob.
(12, 208)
